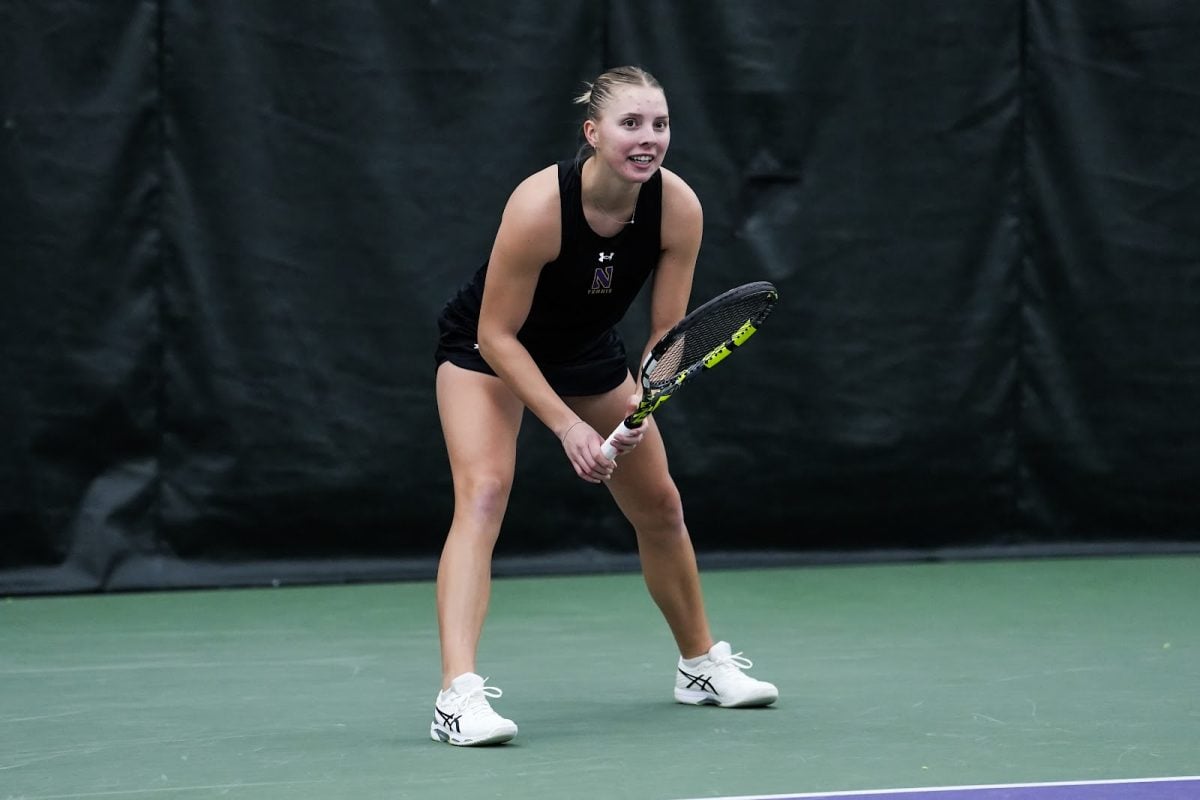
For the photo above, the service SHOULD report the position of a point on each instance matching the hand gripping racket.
(697, 343)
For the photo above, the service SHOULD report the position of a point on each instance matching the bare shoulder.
(535, 198)
(532, 220)
(682, 211)
(677, 191)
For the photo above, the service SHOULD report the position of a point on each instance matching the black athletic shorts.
(598, 368)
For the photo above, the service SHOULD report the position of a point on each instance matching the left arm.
(682, 230)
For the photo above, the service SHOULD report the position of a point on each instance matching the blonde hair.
(599, 94)
(600, 91)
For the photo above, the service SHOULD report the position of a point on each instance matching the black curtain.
(226, 230)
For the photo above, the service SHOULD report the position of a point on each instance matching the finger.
(627, 442)
(587, 476)
(601, 467)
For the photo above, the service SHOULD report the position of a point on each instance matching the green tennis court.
(892, 676)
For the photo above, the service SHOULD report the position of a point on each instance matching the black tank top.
(584, 293)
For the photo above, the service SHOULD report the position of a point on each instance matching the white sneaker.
(717, 679)
(462, 715)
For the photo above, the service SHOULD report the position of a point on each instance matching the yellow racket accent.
(642, 413)
(743, 333)
(714, 358)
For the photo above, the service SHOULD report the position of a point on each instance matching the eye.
(629, 123)
(660, 125)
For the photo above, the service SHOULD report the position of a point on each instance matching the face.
(633, 132)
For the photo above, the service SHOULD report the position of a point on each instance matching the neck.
(614, 198)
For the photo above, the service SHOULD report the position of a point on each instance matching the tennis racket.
(697, 343)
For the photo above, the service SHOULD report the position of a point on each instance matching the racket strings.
(713, 329)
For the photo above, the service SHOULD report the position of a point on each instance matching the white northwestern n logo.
(602, 280)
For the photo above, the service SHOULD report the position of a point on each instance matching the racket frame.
(655, 393)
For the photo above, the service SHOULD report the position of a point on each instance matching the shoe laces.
(478, 699)
(734, 659)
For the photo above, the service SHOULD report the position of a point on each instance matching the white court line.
(927, 789)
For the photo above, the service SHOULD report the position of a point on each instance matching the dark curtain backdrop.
(226, 230)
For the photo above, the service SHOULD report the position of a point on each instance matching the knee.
(660, 513)
(483, 498)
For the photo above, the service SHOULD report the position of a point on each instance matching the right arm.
(529, 238)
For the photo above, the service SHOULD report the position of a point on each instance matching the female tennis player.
(535, 329)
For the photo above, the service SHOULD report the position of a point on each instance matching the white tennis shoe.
(716, 678)
(463, 716)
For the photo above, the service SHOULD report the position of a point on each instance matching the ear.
(589, 132)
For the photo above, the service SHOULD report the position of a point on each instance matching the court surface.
(984, 675)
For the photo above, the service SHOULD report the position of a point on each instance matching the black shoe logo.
(449, 721)
(701, 681)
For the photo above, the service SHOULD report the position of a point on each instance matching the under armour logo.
(606, 257)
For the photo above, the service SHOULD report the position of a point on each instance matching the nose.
(653, 137)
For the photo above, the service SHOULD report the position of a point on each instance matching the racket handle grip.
(608, 448)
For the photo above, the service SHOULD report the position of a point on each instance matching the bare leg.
(647, 496)
(480, 420)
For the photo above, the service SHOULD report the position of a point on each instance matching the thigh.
(480, 420)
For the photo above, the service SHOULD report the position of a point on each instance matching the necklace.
(630, 221)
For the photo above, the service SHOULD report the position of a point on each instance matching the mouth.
(642, 159)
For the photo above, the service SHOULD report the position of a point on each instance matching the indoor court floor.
(1081, 673)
